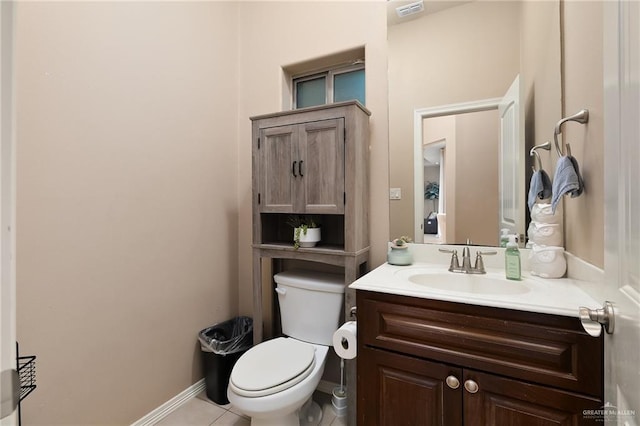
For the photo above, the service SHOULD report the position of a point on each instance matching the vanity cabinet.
(429, 362)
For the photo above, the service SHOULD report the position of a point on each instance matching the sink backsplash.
(429, 253)
(576, 268)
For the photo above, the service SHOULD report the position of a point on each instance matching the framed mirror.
(456, 54)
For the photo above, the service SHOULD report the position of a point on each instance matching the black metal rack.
(26, 366)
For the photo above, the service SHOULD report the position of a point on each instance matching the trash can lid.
(272, 366)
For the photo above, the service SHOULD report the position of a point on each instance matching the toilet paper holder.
(593, 319)
(353, 312)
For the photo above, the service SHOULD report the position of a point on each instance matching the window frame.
(329, 75)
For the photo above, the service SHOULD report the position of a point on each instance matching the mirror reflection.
(456, 54)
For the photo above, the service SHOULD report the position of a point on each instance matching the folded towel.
(567, 180)
(540, 187)
(541, 213)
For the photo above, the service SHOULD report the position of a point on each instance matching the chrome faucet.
(466, 268)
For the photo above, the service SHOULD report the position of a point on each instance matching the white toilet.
(272, 381)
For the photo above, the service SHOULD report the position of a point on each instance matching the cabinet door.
(397, 390)
(322, 166)
(501, 401)
(277, 154)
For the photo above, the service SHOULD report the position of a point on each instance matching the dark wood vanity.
(430, 362)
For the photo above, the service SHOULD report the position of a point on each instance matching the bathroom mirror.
(464, 53)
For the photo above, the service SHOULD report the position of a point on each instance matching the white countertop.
(561, 296)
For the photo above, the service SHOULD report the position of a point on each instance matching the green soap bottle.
(512, 260)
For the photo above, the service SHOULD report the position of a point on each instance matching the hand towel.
(567, 180)
(540, 187)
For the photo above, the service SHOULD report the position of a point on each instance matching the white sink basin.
(490, 283)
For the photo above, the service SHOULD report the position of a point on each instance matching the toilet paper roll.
(345, 340)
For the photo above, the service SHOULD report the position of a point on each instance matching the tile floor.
(200, 411)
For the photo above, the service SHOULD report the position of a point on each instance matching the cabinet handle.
(452, 382)
(300, 168)
(293, 169)
(471, 386)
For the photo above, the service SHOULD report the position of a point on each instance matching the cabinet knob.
(471, 386)
(452, 382)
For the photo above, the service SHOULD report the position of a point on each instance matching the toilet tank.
(310, 304)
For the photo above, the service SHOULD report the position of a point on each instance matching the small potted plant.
(306, 231)
(399, 253)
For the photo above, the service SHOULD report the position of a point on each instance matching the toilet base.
(289, 420)
(309, 415)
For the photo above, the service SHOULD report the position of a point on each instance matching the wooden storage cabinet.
(300, 168)
(426, 362)
(311, 161)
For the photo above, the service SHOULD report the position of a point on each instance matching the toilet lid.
(272, 366)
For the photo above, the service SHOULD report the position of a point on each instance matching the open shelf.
(276, 232)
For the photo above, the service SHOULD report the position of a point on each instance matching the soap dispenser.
(504, 237)
(512, 260)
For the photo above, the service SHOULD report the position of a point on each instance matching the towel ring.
(533, 152)
(581, 117)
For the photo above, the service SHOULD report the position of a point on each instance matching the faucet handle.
(479, 266)
(455, 264)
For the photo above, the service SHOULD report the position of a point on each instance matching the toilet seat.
(272, 366)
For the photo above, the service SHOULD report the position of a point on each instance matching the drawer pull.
(452, 382)
(471, 386)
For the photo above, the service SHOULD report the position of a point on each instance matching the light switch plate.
(395, 193)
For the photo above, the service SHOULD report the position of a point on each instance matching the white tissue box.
(547, 234)
(547, 262)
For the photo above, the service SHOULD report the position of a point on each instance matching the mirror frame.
(418, 168)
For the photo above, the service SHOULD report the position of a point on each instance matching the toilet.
(273, 381)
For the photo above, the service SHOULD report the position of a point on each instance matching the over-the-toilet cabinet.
(311, 161)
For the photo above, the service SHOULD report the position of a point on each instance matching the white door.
(622, 209)
(7, 242)
(512, 208)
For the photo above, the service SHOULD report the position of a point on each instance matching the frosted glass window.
(311, 92)
(348, 86)
(339, 84)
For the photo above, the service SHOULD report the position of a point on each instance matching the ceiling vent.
(410, 9)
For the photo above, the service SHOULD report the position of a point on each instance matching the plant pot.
(308, 239)
(399, 256)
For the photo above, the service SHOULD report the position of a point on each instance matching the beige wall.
(276, 34)
(583, 88)
(127, 200)
(431, 65)
(477, 143)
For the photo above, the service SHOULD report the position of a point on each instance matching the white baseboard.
(171, 405)
(183, 397)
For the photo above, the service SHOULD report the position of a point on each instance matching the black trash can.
(222, 344)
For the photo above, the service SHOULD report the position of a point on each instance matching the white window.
(334, 85)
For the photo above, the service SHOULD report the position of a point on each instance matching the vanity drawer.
(540, 348)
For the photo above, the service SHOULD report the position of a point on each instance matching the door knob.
(452, 382)
(593, 319)
(471, 386)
